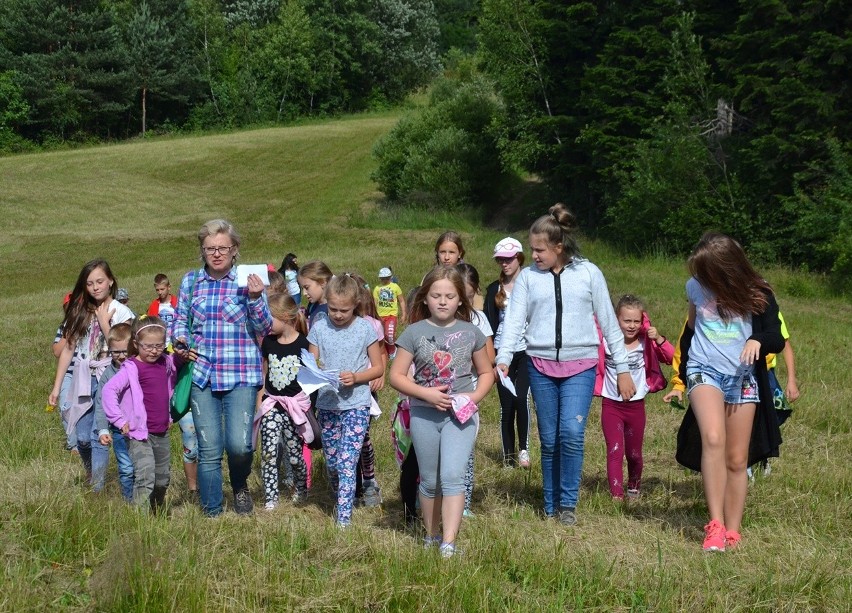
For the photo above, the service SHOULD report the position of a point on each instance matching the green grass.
(306, 189)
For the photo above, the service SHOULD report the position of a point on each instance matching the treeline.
(657, 120)
(96, 69)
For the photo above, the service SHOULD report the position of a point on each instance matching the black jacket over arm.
(765, 434)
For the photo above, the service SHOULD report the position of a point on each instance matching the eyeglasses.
(217, 250)
(117, 352)
(504, 260)
(152, 346)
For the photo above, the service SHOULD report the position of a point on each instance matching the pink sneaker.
(732, 539)
(714, 536)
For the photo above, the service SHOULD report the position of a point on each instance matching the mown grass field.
(306, 189)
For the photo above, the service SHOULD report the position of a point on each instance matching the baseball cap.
(385, 272)
(122, 294)
(508, 248)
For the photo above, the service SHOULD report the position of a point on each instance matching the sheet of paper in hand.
(311, 377)
(244, 270)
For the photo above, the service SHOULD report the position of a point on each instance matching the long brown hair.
(500, 298)
(81, 307)
(450, 236)
(559, 227)
(419, 310)
(720, 265)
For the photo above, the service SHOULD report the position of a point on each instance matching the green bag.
(179, 404)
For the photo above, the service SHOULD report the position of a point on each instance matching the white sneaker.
(270, 506)
(524, 458)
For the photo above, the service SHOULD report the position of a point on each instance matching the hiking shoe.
(372, 496)
(448, 550)
(524, 458)
(243, 503)
(632, 494)
(714, 536)
(567, 517)
(732, 539)
(431, 541)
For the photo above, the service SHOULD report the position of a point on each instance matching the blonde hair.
(219, 226)
(283, 308)
(119, 333)
(316, 271)
(345, 286)
(277, 283)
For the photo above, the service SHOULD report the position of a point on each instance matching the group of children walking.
(549, 329)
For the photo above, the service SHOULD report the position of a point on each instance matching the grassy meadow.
(306, 189)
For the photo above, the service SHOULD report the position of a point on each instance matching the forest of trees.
(654, 120)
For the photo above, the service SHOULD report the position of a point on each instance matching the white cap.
(508, 248)
(385, 272)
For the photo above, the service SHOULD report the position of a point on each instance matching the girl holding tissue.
(447, 352)
(281, 404)
(346, 343)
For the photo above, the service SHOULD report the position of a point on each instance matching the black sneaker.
(243, 503)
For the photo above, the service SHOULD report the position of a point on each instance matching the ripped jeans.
(562, 408)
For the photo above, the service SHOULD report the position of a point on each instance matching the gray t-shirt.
(442, 355)
(717, 343)
(343, 349)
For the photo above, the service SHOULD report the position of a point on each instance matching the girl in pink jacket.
(623, 421)
(136, 401)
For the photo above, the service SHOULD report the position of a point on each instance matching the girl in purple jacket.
(136, 401)
(623, 421)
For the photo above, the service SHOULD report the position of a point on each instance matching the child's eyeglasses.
(117, 352)
(152, 346)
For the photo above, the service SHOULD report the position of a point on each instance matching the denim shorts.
(737, 389)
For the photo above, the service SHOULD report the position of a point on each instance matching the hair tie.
(149, 326)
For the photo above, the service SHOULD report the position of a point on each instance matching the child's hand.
(751, 352)
(125, 429)
(53, 398)
(438, 397)
(625, 385)
(255, 286)
(376, 385)
(102, 313)
(652, 333)
(347, 378)
(673, 394)
(792, 391)
(502, 368)
(105, 439)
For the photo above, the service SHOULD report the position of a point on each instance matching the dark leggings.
(408, 482)
(366, 465)
(515, 408)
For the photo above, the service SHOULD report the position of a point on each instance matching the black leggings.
(408, 478)
(515, 408)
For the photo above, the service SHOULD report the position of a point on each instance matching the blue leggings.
(342, 437)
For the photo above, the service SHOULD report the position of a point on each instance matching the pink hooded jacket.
(653, 353)
(123, 401)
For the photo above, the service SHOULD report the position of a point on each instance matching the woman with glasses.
(221, 322)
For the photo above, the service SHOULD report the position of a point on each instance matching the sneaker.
(372, 496)
(524, 458)
(431, 541)
(243, 503)
(632, 494)
(714, 536)
(567, 517)
(732, 539)
(767, 468)
(750, 474)
(270, 505)
(299, 497)
(468, 513)
(448, 550)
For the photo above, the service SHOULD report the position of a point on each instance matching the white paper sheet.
(244, 270)
(507, 383)
(311, 377)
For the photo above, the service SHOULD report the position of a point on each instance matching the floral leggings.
(342, 437)
(274, 426)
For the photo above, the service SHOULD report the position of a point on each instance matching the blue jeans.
(93, 455)
(223, 422)
(125, 464)
(562, 407)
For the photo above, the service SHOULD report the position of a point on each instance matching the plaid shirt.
(226, 326)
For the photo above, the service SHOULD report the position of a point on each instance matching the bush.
(447, 154)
